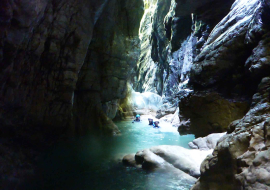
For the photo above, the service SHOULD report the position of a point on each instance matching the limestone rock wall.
(64, 67)
(173, 34)
(164, 28)
(226, 70)
(109, 63)
(216, 61)
(153, 55)
(240, 159)
(63, 60)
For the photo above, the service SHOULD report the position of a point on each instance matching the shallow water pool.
(94, 163)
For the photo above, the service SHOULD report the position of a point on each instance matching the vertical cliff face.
(64, 65)
(62, 60)
(43, 45)
(221, 67)
(215, 59)
(110, 61)
(152, 62)
(164, 29)
(173, 35)
(241, 158)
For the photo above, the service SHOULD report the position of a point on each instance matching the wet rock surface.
(169, 159)
(172, 118)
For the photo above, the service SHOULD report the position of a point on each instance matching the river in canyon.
(94, 163)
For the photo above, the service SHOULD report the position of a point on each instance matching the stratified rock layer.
(241, 157)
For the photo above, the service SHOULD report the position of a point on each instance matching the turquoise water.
(94, 163)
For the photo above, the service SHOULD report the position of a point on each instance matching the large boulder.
(166, 156)
(206, 143)
(166, 109)
(150, 161)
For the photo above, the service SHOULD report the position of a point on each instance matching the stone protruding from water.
(166, 158)
(206, 143)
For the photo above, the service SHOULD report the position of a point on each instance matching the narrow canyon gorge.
(75, 73)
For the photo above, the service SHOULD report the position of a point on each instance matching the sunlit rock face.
(64, 62)
(164, 27)
(225, 70)
(150, 67)
(228, 47)
(173, 34)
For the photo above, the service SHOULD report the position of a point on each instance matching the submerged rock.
(129, 160)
